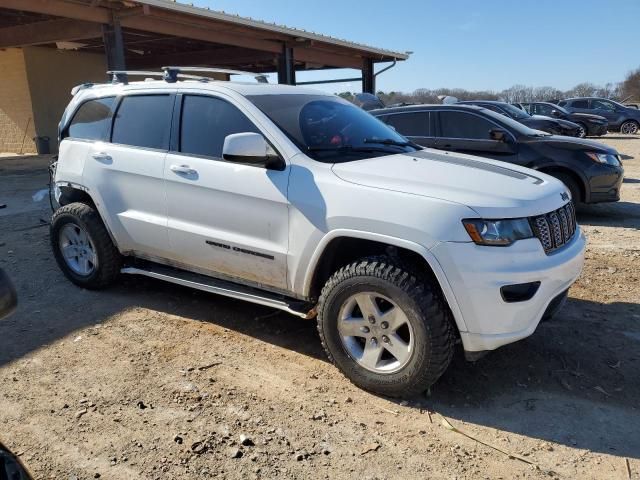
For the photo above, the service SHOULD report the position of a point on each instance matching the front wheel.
(629, 127)
(83, 248)
(387, 330)
(582, 130)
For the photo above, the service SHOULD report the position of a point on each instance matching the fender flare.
(421, 250)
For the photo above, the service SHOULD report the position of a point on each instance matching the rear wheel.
(629, 127)
(582, 130)
(83, 248)
(387, 330)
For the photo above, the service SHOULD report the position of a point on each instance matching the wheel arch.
(580, 181)
(76, 193)
(339, 248)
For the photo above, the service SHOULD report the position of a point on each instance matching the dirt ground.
(150, 380)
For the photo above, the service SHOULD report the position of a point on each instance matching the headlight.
(607, 158)
(499, 233)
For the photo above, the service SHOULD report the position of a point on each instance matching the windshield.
(514, 125)
(330, 129)
(514, 112)
(559, 108)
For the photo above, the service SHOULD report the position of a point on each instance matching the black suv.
(546, 124)
(621, 118)
(590, 125)
(592, 171)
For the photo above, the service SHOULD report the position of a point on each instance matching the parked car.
(590, 125)
(590, 170)
(554, 126)
(621, 118)
(299, 200)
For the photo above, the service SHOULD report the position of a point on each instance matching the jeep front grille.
(556, 228)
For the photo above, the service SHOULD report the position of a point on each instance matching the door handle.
(183, 169)
(102, 156)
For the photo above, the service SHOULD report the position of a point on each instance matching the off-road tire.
(422, 303)
(109, 259)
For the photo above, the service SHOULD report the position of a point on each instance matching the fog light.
(520, 292)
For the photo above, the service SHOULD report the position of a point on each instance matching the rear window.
(410, 124)
(580, 104)
(91, 121)
(143, 121)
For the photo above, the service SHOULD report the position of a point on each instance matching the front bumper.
(605, 182)
(596, 130)
(476, 273)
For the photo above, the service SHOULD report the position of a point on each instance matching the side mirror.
(498, 135)
(252, 149)
(555, 113)
(8, 297)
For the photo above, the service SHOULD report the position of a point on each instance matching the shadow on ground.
(616, 214)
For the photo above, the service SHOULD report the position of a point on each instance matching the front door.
(469, 133)
(224, 217)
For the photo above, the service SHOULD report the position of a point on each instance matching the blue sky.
(481, 44)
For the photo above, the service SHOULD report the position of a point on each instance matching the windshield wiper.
(347, 149)
(390, 141)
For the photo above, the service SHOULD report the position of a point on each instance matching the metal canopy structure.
(144, 34)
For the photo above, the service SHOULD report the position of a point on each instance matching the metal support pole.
(368, 77)
(114, 45)
(286, 67)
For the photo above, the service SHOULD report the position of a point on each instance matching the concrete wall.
(16, 112)
(51, 75)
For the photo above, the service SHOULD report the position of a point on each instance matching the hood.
(587, 116)
(493, 189)
(575, 143)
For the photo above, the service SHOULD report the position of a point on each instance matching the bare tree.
(630, 87)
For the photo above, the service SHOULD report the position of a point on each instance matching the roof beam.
(156, 24)
(48, 32)
(60, 8)
(217, 58)
(326, 58)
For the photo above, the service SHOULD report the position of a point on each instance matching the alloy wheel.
(78, 250)
(375, 332)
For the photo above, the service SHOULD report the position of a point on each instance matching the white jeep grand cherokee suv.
(296, 199)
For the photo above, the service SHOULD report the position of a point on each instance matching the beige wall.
(51, 76)
(16, 112)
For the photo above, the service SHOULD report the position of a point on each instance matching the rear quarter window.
(91, 121)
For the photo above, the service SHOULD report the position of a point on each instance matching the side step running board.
(220, 287)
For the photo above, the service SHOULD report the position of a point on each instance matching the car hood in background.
(493, 189)
(587, 116)
(573, 143)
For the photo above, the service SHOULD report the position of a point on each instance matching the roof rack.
(172, 72)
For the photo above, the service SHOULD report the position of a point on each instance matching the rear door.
(468, 132)
(607, 110)
(128, 172)
(224, 217)
(416, 126)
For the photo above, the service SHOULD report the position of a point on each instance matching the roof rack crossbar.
(121, 76)
(172, 70)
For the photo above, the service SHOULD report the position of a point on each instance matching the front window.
(330, 129)
(514, 112)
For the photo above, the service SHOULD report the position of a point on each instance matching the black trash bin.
(42, 145)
